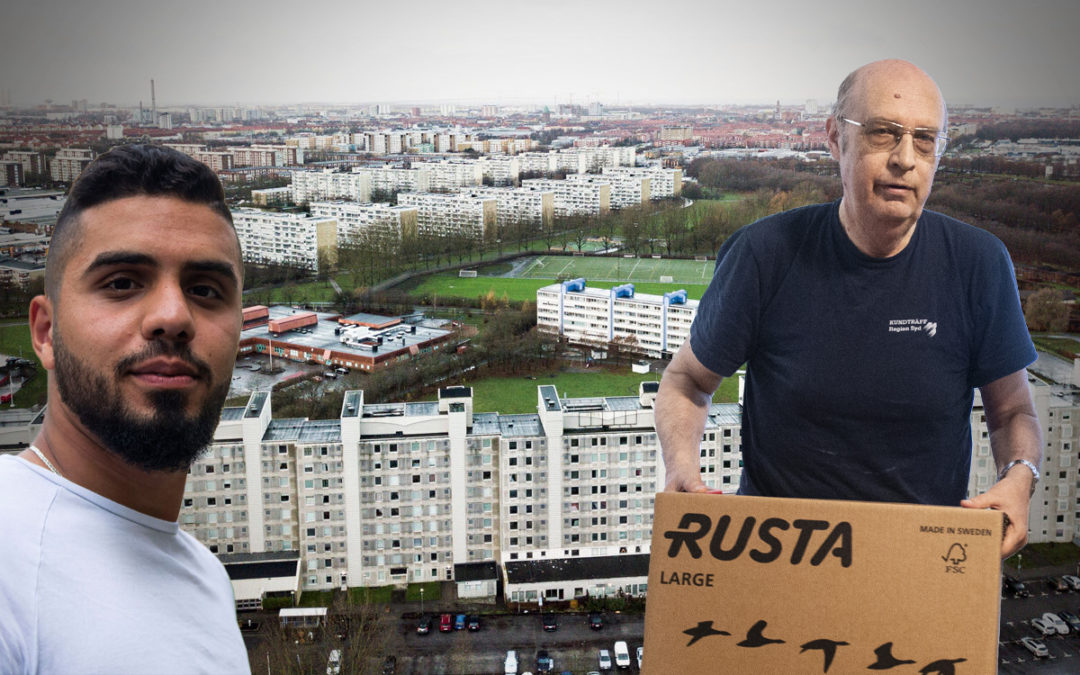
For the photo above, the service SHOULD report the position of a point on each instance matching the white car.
(1056, 622)
(510, 666)
(1043, 627)
(1037, 648)
(1073, 581)
(640, 653)
(605, 659)
(622, 655)
(333, 665)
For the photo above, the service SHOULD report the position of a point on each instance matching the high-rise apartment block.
(663, 183)
(355, 219)
(626, 190)
(470, 214)
(574, 198)
(69, 163)
(654, 325)
(532, 206)
(295, 239)
(310, 186)
(403, 492)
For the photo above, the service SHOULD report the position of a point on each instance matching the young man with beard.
(138, 330)
(866, 325)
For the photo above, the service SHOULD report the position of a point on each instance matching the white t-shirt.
(90, 586)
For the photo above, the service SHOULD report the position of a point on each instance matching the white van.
(622, 655)
(510, 666)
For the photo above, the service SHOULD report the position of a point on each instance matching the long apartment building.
(573, 198)
(470, 213)
(296, 239)
(501, 171)
(662, 182)
(354, 218)
(654, 325)
(532, 206)
(69, 163)
(626, 191)
(403, 492)
(312, 186)
(453, 174)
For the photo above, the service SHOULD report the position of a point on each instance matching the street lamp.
(421, 601)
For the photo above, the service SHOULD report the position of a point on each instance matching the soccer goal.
(666, 279)
(466, 274)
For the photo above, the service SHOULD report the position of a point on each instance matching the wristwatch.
(1034, 471)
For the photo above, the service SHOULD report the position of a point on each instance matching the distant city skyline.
(681, 52)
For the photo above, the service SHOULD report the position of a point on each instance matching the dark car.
(474, 623)
(1057, 584)
(544, 663)
(446, 623)
(1015, 586)
(551, 622)
(1071, 619)
(596, 622)
(459, 622)
(423, 627)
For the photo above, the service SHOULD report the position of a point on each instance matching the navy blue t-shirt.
(860, 371)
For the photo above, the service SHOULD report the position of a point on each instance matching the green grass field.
(619, 269)
(516, 395)
(15, 341)
(519, 290)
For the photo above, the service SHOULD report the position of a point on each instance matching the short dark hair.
(130, 171)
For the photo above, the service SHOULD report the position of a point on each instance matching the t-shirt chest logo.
(913, 326)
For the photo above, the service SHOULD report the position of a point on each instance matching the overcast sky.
(1010, 53)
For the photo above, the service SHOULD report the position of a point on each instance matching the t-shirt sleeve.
(1002, 341)
(727, 319)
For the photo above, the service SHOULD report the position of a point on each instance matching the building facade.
(653, 325)
(296, 239)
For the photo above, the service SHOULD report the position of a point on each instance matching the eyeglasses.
(886, 135)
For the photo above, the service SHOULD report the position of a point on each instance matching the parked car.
(1037, 648)
(474, 623)
(551, 622)
(423, 626)
(510, 665)
(1051, 619)
(1071, 619)
(1073, 581)
(1057, 584)
(333, 664)
(622, 654)
(1043, 627)
(544, 662)
(640, 653)
(446, 623)
(596, 621)
(1015, 586)
(389, 665)
(459, 622)
(604, 657)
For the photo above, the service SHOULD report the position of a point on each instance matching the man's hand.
(1011, 496)
(685, 480)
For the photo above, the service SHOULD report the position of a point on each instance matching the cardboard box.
(763, 585)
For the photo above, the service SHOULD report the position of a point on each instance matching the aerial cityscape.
(461, 292)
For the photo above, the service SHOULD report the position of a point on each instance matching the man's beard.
(168, 440)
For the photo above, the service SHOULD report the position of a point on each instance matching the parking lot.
(1016, 615)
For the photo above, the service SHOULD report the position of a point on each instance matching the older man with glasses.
(866, 325)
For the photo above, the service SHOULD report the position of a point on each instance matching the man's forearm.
(1017, 438)
(680, 424)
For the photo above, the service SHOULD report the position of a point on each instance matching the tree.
(1046, 311)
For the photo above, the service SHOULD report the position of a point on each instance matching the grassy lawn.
(15, 341)
(1064, 348)
(520, 290)
(516, 395)
(1044, 555)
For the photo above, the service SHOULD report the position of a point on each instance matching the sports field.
(618, 269)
